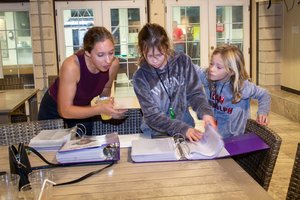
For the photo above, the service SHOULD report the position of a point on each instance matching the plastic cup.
(9, 186)
(104, 100)
(36, 191)
(39, 176)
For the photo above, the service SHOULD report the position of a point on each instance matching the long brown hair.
(153, 36)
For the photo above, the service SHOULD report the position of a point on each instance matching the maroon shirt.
(89, 85)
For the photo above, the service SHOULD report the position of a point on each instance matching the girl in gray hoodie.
(229, 91)
(166, 84)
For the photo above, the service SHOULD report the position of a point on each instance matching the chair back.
(22, 132)
(129, 125)
(9, 83)
(260, 164)
(294, 186)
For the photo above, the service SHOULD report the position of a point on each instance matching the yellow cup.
(104, 100)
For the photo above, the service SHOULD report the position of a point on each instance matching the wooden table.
(206, 179)
(11, 100)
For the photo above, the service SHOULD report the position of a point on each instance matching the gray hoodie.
(232, 118)
(183, 86)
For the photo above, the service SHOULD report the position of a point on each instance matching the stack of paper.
(148, 150)
(208, 147)
(49, 140)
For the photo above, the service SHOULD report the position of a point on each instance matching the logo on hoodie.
(215, 100)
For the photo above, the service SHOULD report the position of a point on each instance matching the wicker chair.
(22, 132)
(294, 186)
(129, 125)
(260, 164)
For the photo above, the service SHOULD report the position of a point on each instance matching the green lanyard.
(172, 113)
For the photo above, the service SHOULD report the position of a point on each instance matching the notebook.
(171, 149)
(90, 149)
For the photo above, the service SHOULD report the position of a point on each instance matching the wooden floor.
(289, 131)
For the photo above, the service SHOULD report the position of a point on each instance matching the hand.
(119, 113)
(193, 135)
(210, 120)
(107, 107)
(262, 119)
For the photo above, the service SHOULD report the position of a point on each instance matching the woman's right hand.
(107, 107)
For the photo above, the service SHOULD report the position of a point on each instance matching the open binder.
(177, 148)
(209, 147)
(90, 149)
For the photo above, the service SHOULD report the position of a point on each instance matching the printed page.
(90, 148)
(208, 147)
(147, 150)
(84, 143)
(90, 142)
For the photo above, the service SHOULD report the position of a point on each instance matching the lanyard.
(171, 110)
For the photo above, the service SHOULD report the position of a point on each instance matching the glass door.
(73, 20)
(229, 24)
(125, 20)
(186, 19)
(206, 24)
(16, 60)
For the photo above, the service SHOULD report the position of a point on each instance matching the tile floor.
(289, 131)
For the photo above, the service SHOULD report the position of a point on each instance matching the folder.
(244, 143)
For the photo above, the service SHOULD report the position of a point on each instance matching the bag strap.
(43, 159)
(85, 176)
(53, 165)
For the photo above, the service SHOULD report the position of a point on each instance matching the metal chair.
(22, 132)
(294, 186)
(260, 164)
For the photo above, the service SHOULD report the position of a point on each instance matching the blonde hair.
(234, 64)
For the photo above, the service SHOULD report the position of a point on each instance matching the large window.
(15, 43)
